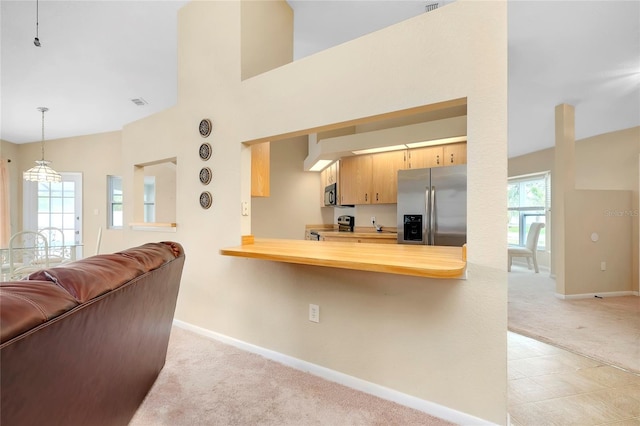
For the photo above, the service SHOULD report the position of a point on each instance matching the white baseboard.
(592, 295)
(427, 407)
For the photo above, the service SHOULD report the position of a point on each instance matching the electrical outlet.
(314, 313)
(373, 220)
(245, 208)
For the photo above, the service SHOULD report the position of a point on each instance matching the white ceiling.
(98, 55)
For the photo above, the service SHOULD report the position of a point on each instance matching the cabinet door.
(431, 156)
(332, 173)
(260, 171)
(355, 180)
(384, 178)
(455, 154)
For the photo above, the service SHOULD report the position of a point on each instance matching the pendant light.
(36, 41)
(42, 172)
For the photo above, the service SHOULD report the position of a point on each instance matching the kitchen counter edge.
(400, 259)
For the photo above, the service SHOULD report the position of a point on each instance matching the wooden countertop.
(402, 259)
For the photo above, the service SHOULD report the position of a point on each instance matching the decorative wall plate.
(205, 151)
(205, 127)
(205, 175)
(206, 199)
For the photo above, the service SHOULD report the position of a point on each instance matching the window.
(115, 199)
(529, 200)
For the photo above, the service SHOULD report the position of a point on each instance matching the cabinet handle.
(366, 197)
(376, 196)
(452, 158)
(437, 159)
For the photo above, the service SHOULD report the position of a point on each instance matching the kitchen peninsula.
(416, 260)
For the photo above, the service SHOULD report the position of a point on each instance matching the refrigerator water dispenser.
(412, 227)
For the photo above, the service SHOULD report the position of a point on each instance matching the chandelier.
(42, 172)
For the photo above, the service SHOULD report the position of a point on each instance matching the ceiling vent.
(139, 101)
(430, 6)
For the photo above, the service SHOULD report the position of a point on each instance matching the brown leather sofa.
(82, 343)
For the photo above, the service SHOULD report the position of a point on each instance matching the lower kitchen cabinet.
(360, 239)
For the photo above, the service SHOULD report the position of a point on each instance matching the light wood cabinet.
(455, 154)
(330, 175)
(384, 176)
(430, 156)
(260, 169)
(371, 179)
(437, 156)
(355, 180)
(371, 240)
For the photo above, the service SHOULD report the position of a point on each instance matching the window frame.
(544, 243)
(111, 202)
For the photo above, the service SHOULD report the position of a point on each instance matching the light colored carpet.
(606, 329)
(205, 382)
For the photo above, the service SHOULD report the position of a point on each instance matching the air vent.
(431, 6)
(139, 101)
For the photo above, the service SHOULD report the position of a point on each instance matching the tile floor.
(550, 386)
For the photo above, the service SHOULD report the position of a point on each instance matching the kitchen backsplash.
(385, 214)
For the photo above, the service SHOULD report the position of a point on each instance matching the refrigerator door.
(449, 194)
(413, 187)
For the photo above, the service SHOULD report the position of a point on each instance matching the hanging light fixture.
(36, 40)
(42, 172)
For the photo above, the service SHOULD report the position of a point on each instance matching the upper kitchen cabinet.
(330, 175)
(384, 177)
(260, 169)
(355, 180)
(455, 154)
(437, 156)
(420, 158)
(371, 179)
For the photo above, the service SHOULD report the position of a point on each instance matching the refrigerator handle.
(432, 217)
(427, 210)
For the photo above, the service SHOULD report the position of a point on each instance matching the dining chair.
(530, 249)
(58, 252)
(28, 252)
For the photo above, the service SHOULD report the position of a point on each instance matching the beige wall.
(258, 52)
(165, 185)
(602, 162)
(441, 341)
(607, 214)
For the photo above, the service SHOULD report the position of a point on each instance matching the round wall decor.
(206, 199)
(205, 127)
(205, 175)
(205, 151)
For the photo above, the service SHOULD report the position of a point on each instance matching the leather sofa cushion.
(87, 278)
(152, 255)
(27, 304)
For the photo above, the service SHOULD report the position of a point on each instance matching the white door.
(56, 204)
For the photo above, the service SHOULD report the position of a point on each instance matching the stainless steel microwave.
(331, 195)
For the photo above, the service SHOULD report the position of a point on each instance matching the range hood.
(326, 151)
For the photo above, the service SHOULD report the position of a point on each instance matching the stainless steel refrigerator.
(432, 206)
